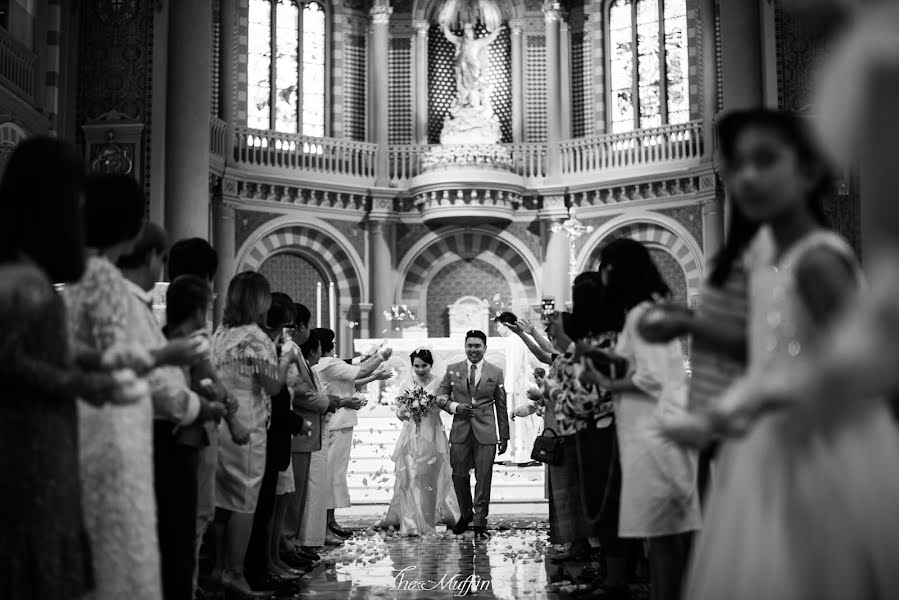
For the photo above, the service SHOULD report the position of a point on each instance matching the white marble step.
(370, 474)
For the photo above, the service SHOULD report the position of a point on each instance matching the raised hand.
(385, 353)
(382, 374)
(664, 322)
(127, 356)
(130, 388)
(353, 403)
(211, 410)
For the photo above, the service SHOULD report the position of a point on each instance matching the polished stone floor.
(513, 563)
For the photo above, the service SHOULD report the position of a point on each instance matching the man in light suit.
(473, 391)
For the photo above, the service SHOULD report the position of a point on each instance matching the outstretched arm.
(453, 39)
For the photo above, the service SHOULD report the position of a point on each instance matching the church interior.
(409, 171)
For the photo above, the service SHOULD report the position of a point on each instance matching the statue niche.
(471, 118)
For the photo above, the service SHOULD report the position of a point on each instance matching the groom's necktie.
(472, 378)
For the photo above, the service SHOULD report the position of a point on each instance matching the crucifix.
(574, 229)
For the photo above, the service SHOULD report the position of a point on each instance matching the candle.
(332, 307)
(318, 304)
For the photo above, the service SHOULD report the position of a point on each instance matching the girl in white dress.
(423, 494)
(807, 509)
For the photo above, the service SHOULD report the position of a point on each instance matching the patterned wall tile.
(354, 99)
(462, 278)
(352, 231)
(688, 216)
(399, 92)
(247, 221)
(298, 278)
(407, 235)
(535, 88)
(672, 273)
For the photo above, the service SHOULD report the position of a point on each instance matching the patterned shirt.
(579, 406)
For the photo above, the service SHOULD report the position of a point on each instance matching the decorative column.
(227, 99)
(565, 80)
(552, 16)
(712, 217)
(421, 82)
(710, 106)
(187, 119)
(555, 260)
(380, 265)
(741, 55)
(517, 85)
(224, 243)
(380, 18)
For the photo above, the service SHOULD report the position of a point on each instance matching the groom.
(473, 391)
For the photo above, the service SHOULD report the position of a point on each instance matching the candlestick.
(318, 304)
(332, 307)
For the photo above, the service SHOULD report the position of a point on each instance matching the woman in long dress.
(116, 441)
(423, 494)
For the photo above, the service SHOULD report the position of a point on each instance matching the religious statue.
(472, 58)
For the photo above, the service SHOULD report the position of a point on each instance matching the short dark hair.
(301, 314)
(152, 239)
(309, 346)
(40, 209)
(475, 333)
(424, 354)
(506, 317)
(589, 314)
(113, 210)
(249, 296)
(192, 256)
(186, 296)
(280, 312)
(327, 339)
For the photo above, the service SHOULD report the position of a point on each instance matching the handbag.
(548, 449)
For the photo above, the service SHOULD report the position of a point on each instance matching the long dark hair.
(424, 354)
(40, 208)
(740, 232)
(589, 315)
(633, 278)
(794, 131)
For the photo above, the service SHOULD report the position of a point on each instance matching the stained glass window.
(648, 64)
(287, 44)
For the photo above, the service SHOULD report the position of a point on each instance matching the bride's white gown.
(423, 494)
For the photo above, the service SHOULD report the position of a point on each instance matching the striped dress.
(713, 371)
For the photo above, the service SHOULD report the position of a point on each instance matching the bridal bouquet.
(415, 403)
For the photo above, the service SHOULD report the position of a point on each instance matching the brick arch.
(467, 244)
(655, 233)
(314, 244)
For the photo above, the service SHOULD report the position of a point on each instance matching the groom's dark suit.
(474, 438)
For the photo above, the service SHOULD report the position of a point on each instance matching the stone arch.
(492, 246)
(320, 243)
(425, 10)
(656, 231)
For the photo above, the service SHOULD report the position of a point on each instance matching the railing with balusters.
(632, 149)
(253, 147)
(358, 160)
(17, 65)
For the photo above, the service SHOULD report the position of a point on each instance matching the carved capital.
(516, 26)
(380, 14)
(552, 12)
(421, 28)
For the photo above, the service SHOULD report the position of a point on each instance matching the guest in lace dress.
(247, 363)
(116, 441)
(44, 546)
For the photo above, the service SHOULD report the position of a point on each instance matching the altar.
(506, 351)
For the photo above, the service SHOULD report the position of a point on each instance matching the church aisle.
(513, 563)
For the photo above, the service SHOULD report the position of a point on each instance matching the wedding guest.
(262, 572)
(659, 500)
(44, 546)
(175, 406)
(717, 326)
(339, 379)
(313, 524)
(246, 360)
(116, 443)
(195, 257)
(313, 405)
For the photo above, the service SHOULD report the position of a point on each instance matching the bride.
(423, 494)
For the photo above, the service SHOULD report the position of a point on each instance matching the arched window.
(648, 64)
(286, 47)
